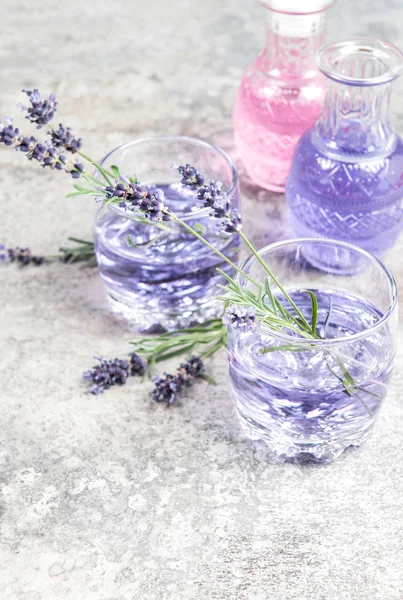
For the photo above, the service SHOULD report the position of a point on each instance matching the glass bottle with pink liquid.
(282, 92)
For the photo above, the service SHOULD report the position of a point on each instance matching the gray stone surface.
(111, 498)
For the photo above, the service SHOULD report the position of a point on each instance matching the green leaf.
(103, 173)
(270, 295)
(208, 378)
(79, 241)
(314, 303)
(105, 207)
(227, 277)
(115, 171)
(284, 347)
(199, 228)
(327, 320)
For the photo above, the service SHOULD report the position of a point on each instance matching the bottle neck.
(355, 122)
(291, 44)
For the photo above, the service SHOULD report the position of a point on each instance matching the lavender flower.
(63, 138)
(107, 373)
(212, 197)
(3, 253)
(136, 198)
(240, 317)
(194, 367)
(46, 154)
(8, 133)
(232, 222)
(113, 372)
(138, 366)
(120, 190)
(168, 387)
(41, 111)
(210, 194)
(26, 144)
(76, 170)
(22, 256)
(191, 177)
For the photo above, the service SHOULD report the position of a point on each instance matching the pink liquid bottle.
(282, 92)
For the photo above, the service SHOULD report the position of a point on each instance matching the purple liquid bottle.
(346, 178)
(282, 91)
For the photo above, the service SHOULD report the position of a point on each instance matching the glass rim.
(294, 7)
(386, 52)
(332, 341)
(200, 212)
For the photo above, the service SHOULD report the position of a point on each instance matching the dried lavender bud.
(41, 111)
(212, 196)
(38, 152)
(63, 138)
(107, 373)
(240, 317)
(232, 222)
(113, 372)
(136, 198)
(194, 367)
(61, 162)
(152, 207)
(23, 256)
(53, 159)
(3, 253)
(168, 387)
(190, 177)
(77, 170)
(119, 191)
(8, 133)
(138, 366)
(44, 153)
(26, 144)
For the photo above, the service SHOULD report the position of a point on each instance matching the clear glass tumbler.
(312, 399)
(165, 279)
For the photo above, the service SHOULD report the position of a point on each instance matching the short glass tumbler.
(312, 399)
(165, 280)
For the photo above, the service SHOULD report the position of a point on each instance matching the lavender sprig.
(22, 256)
(240, 317)
(168, 387)
(212, 196)
(63, 138)
(50, 152)
(204, 339)
(107, 373)
(41, 112)
(46, 154)
(82, 251)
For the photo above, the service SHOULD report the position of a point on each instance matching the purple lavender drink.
(346, 179)
(298, 395)
(165, 279)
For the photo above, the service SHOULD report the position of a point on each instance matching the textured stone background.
(111, 498)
